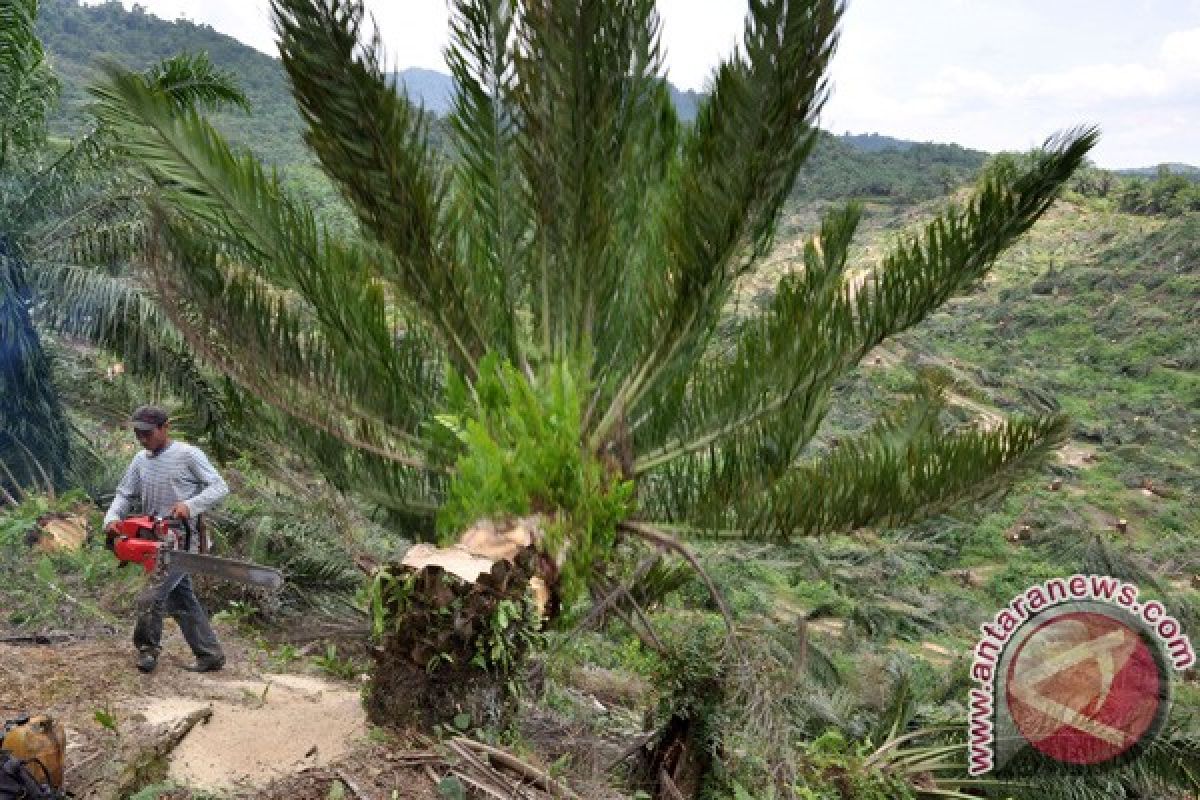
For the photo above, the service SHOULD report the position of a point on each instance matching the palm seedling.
(532, 325)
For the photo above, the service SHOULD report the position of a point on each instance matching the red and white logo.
(1077, 670)
(1084, 688)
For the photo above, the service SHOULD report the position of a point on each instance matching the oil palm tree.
(31, 416)
(70, 218)
(532, 324)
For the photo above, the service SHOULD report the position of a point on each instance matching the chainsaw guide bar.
(227, 568)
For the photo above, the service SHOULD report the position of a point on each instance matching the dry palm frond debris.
(489, 770)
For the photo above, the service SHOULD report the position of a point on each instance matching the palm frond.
(783, 359)
(277, 356)
(872, 482)
(28, 88)
(903, 469)
(191, 80)
(491, 227)
(960, 245)
(739, 162)
(92, 164)
(581, 225)
(33, 424)
(111, 313)
(294, 290)
(373, 142)
(97, 222)
(47, 193)
(931, 758)
(587, 76)
(827, 332)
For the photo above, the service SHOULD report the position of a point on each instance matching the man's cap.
(147, 418)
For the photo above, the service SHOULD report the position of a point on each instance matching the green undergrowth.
(62, 590)
(520, 454)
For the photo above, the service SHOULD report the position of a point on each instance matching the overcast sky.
(991, 74)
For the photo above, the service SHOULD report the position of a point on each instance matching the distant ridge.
(435, 91)
(432, 89)
(875, 143)
(1174, 168)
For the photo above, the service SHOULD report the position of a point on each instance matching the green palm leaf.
(380, 160)
(28, 88)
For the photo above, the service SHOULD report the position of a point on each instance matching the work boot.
(205, 665)
(147, 661)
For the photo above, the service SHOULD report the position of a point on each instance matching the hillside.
(77, 37)
(1094, 313)
(841, 167)
(874, 142)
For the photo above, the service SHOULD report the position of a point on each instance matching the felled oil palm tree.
(531, 326)
(70, 217)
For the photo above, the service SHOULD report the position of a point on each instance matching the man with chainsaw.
(170, 479)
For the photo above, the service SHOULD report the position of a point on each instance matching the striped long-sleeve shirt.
(178, 472)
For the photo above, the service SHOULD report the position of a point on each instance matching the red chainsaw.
(166, 543)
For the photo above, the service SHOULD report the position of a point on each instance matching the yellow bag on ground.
(41, 743)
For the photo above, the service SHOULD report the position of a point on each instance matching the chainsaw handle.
(188, 532)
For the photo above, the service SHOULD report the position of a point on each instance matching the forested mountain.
(435, 90)
(78, 37)
(874, 142)
(842, 167)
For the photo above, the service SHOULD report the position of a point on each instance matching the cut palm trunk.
(454, 626)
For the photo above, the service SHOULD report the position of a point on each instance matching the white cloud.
(1147, 110)
(1096, 82)
(1078, 87)
(1180, 51)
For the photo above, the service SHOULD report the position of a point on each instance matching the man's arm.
(214, 490)
(129, 488)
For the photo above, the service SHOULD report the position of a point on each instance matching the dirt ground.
(267, 734)
(258, 730)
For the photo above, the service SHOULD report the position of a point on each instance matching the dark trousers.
(171, 593)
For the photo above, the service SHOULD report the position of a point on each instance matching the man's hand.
(111, 528)
(181, 511)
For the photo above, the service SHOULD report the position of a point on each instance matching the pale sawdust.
(250, 740)
(260, 730)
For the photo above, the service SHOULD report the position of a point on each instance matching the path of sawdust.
(261, 730)
(265, 727)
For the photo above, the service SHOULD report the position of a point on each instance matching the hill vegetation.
(80, 37)
(1171, 193)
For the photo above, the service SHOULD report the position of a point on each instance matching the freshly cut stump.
(459, 622)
